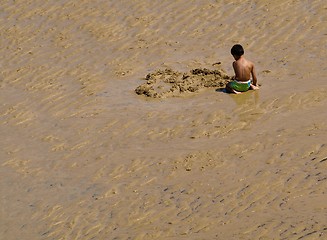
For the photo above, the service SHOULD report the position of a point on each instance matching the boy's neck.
(236, 57)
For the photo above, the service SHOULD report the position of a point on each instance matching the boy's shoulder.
(248, 62)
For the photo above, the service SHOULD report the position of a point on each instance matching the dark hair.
(237, 50)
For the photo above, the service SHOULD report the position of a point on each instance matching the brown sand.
(170, 83)
(84, 157)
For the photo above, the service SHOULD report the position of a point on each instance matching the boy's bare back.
(244, 69)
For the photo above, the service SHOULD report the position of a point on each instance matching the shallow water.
(84, 157)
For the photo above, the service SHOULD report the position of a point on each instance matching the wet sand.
(84, 157)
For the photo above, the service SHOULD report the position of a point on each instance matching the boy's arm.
(254, 76)
(234, 68)
(235, 71)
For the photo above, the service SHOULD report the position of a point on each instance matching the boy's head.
(237, 50)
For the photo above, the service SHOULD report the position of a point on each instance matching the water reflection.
(246, 98)
(248, 108)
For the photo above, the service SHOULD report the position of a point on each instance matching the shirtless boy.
(243, 69)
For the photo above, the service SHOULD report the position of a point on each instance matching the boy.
(243, 69)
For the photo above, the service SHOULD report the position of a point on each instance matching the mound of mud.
(169, 83)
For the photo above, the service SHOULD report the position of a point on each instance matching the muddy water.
(84, 157)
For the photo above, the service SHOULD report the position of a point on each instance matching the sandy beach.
(82, 156)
